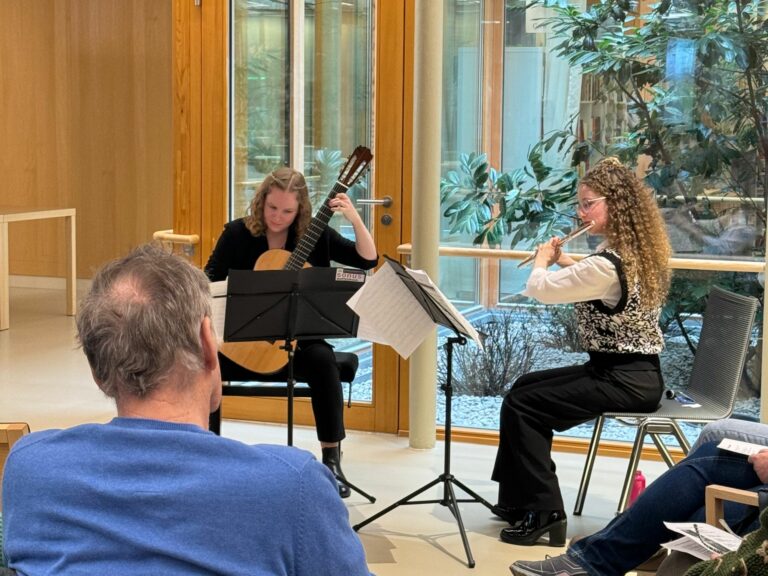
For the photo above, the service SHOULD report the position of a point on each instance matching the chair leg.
(663, 450)
(684, 444)
(588, 466)
(634, 459)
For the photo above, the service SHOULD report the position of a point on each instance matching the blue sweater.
(150, 497)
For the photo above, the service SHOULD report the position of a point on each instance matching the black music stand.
(309, 303)
(430, 299)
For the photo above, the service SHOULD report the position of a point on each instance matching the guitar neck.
(309, 239)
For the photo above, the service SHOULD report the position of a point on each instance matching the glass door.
(302, 94)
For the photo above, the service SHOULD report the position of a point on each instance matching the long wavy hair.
(635, 228)
(283, 178)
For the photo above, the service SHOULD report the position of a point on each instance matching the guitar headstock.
(356, 165)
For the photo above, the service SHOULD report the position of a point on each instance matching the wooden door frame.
(201, 171)
(200, 120)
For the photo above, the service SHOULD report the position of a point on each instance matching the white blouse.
(593, 278)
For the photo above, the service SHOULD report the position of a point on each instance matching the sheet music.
(447, 306)
(701, 540)
(390, 314)
(740, 447)
(219, 307)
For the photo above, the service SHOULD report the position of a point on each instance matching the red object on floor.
(638, 485)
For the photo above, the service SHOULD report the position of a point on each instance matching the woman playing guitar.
(279, 214)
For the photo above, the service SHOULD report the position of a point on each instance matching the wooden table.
(9, 214)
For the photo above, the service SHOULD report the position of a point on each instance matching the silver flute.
(567, 238)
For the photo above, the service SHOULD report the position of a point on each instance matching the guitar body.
(268, 357)
(263, 357)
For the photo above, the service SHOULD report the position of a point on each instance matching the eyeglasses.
(586, 204)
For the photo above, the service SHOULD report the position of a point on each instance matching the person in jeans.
(676, 496)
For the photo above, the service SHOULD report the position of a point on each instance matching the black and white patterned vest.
(626, 328)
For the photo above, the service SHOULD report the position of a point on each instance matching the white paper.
(688, 546)
(448, 308)
(740, 447)
(701, 540)
(218, 308)
(390, 314)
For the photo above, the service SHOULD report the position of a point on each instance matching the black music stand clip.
(429, 298)
(289, 305)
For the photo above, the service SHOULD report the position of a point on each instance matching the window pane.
(260, 103)
(706, 216)
(524, 336)
(338, 101)
(338, 95)
(541, 91)
(462, 78)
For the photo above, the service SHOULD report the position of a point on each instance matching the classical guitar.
(269, 357)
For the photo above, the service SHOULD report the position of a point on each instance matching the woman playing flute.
(618, 293)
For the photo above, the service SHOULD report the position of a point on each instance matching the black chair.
(238, 381)
(717, 368)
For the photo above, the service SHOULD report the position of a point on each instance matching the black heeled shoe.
(332, 459)
(536, 524)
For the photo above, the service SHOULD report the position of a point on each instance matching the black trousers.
(558, 399)
(314, 363)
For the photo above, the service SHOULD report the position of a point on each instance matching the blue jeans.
(676, 496)
(744, 430)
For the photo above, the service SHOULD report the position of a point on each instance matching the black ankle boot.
(536, 524)
(332, 459)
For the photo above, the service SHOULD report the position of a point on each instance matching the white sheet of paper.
(716, 540)
(423, 278)
(688, 546)
(389, 314)
(740, 447)
(219, 307)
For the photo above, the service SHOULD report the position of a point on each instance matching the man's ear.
(209, 345)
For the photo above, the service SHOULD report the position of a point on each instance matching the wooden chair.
(9, 435)
(716, 496)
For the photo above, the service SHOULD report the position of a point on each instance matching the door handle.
(386, 201)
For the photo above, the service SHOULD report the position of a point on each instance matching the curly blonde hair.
(283, 178)
(635, 228)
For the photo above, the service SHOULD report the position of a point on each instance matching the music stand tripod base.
(446, 478)
(288, 347)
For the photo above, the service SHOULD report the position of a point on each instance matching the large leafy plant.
(693, 75)
(692, 82)
(526, 204)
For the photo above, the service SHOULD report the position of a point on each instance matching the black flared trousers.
(558, 399)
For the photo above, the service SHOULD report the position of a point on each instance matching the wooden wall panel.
(85, 122)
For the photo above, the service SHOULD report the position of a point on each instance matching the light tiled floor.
(45, 381)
